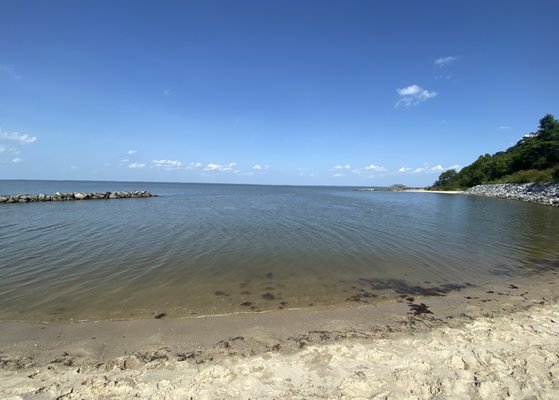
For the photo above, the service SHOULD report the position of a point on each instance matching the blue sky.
(269, 92)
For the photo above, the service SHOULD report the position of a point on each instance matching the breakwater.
(541, 193)
(31, 198)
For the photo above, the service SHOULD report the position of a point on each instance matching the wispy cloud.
(15, 140)
(427, 169)
(131, 151)
(504, 128)
(8, 149)
(259, 167)
(194, 165)
(342, 166)
(169, 165)
(10, 71)
(304, 172)
(444, 61)
(375, 168)
(413, 95)
(136, 165)
(22, 138)
(167, 92)
(220, 167)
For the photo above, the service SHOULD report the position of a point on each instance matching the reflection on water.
(200, 249)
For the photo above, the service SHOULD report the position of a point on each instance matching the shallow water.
(211, 249)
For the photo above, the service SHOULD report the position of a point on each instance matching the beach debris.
(187, 355)
(270, 275)
(418, 309)
(361, 297)
(220, 293)
(268, 296)
(246, 304)
(160, 315)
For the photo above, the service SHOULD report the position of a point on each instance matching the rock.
(25, 198)
(542, 193)
(132, 362)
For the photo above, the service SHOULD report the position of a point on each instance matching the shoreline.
(359, 351)
(434, 191)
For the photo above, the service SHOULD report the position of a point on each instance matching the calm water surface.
(210, 249)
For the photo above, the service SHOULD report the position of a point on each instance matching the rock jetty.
(542, 193)
(31, 198)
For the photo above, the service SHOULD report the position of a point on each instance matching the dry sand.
(494, 342)
(434, 191)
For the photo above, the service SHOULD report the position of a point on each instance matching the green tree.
(535, 157)
(447, 180)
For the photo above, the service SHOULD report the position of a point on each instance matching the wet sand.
(493, 341)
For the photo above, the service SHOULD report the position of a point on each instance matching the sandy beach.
(434, 191)
(491, 342)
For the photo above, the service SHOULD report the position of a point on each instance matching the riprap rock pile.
(542, 193)
(30, 198)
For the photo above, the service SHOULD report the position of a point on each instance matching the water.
(211, 249)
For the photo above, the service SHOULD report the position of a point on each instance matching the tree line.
(534, 158)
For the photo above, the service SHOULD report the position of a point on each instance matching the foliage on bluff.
(535, 158)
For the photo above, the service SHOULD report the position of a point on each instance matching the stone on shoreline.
(541, 193)
(28, 198)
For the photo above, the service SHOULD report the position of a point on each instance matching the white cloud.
(107, 164)
(504, 128)
(337, 175)
(10, 71)
(375, 168)
(8, 149)
(131, 151)
(124, 160)
(413, 95)
(340, 166)
(304, 172)
(168, 164)
(194, 165)
(21, 138)
(444, 61)
(259, 167)
(437, 168)
(221, 167)
(427, 170)
(136, 165)
(167, 92)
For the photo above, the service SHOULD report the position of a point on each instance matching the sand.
(434, 191)
(491, 342)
